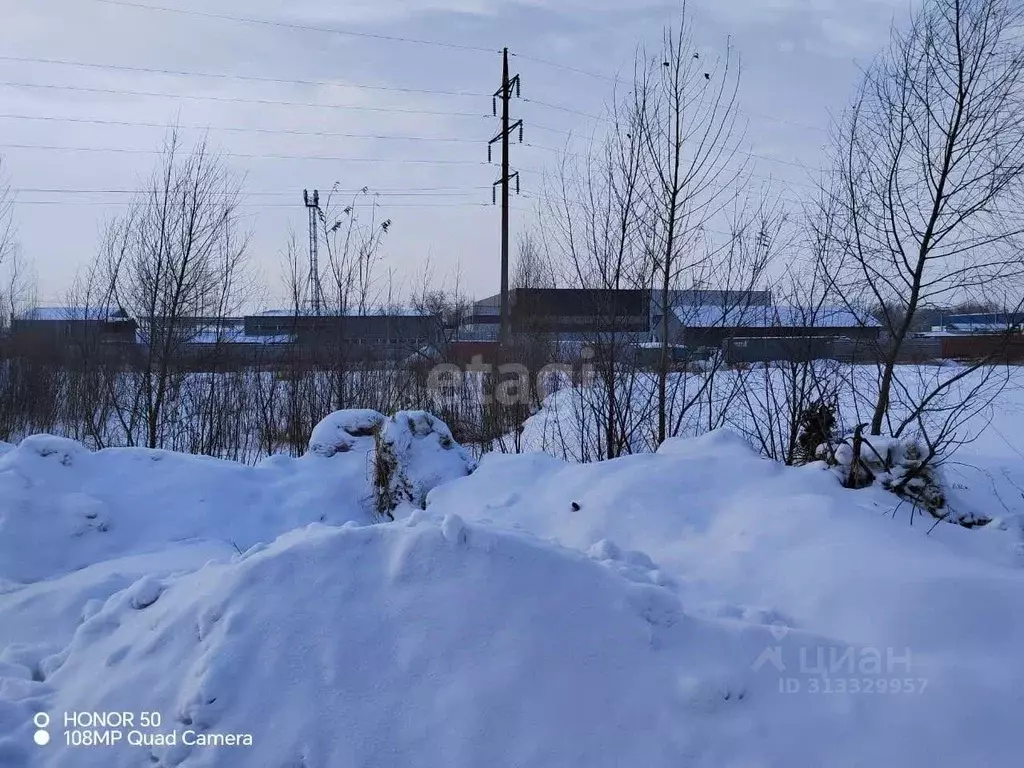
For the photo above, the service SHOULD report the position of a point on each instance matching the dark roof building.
(564, 311)
(53, 324)
(391, 333)
(698, 325)
(981, 322)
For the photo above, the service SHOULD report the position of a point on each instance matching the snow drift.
(699, 606)
(65, 507)
(432, 643)
(344, 431)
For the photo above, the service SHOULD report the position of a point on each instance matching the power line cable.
(768, 158)
(238, 100)
(282, 205)
(266, 156)
(602, 76)
(261, 156)
(564, 67)
(370, 192)
(271, 131)
(246, 78)
(419, 41)
(284, 81)
(569, 110)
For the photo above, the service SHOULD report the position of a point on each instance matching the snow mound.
(64, 507)
(415, 453)
(712, 609)
(745, 537)
(720, 443)
(427, 643)
(343, 431)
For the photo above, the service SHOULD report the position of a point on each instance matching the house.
(579, 310)
(483, 320)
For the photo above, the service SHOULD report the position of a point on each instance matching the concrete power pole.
(313, 288)
(505, 94)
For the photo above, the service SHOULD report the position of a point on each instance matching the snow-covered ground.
(697, 606)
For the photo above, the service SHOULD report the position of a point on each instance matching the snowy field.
(697, 606)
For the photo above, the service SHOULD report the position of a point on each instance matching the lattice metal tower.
(313, 286)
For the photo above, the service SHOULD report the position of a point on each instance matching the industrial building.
(563, 312)
(389, 334)
(711, 326)
(261, 338)
(57, 325)
(698, 320)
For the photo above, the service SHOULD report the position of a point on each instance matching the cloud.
(836, 28)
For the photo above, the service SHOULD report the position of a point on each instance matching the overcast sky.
(66, 67)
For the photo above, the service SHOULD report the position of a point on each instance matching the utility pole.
(313, 289)
(505, 94)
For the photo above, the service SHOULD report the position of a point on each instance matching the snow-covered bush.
(414, 452)
(341, 431)
(901, 465)
(816, 427)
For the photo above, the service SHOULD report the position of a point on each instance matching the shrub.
(901, 465)
(413, 453)
(816, 427)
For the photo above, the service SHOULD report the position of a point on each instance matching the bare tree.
(804, 383)
(446, 303)
(352, 232)
(214, 392)
(16, 281)
(532, 268)
(685, 116)
(593, 228)
(29, 380)
(7, 242)
(168, 263)
(307, 398)
(93, 368)
(928, 183)
(735, 262)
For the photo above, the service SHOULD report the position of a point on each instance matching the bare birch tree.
(929, 182)
(686, 119)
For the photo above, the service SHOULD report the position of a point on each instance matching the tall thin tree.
(929, 182)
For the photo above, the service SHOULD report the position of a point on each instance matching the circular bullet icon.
(42, 738)
(41, 719)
